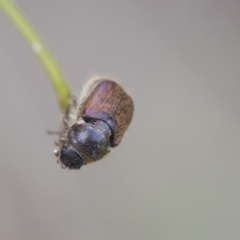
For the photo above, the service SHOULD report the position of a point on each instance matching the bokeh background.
(176, 173)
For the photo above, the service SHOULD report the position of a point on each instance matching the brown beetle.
(94, 125)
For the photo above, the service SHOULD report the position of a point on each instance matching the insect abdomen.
(107, 101)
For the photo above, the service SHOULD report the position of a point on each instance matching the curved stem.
(40, 50)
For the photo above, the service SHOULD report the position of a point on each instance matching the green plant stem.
(40, 50)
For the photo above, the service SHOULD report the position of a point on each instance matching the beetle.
(94, 124)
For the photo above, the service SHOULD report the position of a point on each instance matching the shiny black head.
(90, 139)
(69, 157)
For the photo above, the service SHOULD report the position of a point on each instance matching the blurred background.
(176, 173)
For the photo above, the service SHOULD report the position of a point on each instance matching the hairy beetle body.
(95, 124)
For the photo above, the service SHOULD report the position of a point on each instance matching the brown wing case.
(106, 100)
